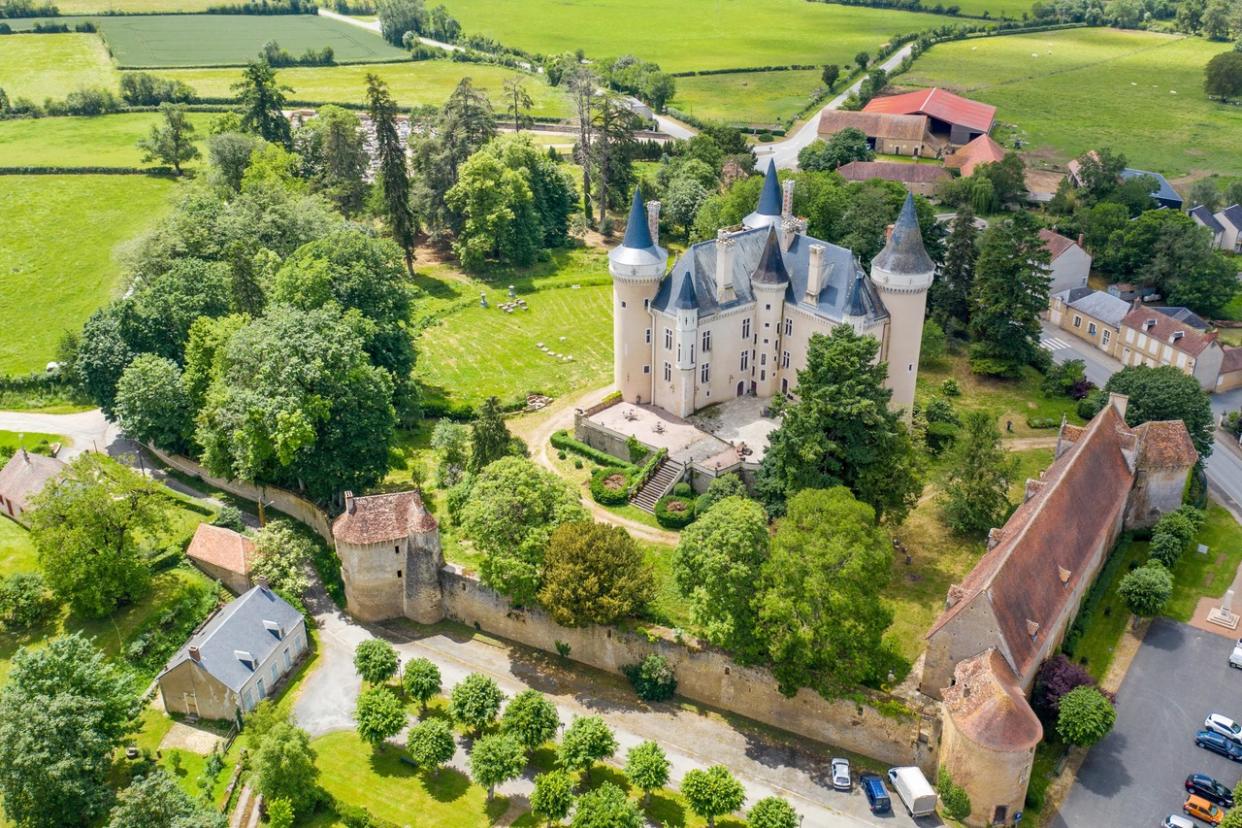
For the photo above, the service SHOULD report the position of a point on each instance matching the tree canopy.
(475, 701)
(594, 573)
(156, 801)
(712, 793)
(975, 496)
(530, 718)
(1165, 393)
(286, 767)
(1010, 290)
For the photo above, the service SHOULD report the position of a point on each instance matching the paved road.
(692, 739)
(674, 127)
(786, 152)
(1134, 777)
(86, 430)
(374, 26)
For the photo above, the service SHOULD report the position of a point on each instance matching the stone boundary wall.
(601, 437)
(708, 676)
(604, 404)
(291, 504)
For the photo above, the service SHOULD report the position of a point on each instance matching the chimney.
(888, 232)
(653, 221)
(349, 502)
(1119, 402)
(815, 272)
(787, 199)
(1082, 240)
(725, 248)
(196, 655)
(261, 582)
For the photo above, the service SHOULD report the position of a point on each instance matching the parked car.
(1235, 658)
(1223, 725)
(877, 795)
(1213, 741)
(915, 791)
(841, 774)
(1200, 808)
(1200, 784)
(1177, 821)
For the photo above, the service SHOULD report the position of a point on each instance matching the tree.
(594, 573)
(496, 759)
(1207, 284)
(722, 486)
(156, 801)
(375, 660)
(606, 807)
(612, 150)
(553, 796)
(646, 767)
(1010, 291)
(63, 710)
(827, 552)
(683, 198)
(582, 83)
(467, 124)
(379, 715)
(717, 566)
(262, 102)
(518, 101)
(1145, 590)
(1204, 192)
(975, 496)
(452, 441)
(587, 740)
(934, 343)
(862, 59)
(430, 744)
(848, 145)
(87, 526)
(281, 554)
(949, 298)
(490, 439)
(1057, 676)
(286, 768)
(279, 813)
(1165, 393)
(25, 601)
(1233, 818)
(829, 75)
(1215, 21)
(713, 792)
(399, 17)
(530, 718)
(841, 431)
(497, 207)
(421, 681)
(393, 177)
(1085, 717)
(474, 702)
(334, 156)
(513, 510)
(152, 405)
(772, 812)
(953, 797)
(1099, 171)
(103, 355)
(171, 142)
(228, 156)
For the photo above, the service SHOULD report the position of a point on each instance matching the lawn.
(51, 66)
(750, 98)
(59, 240)
(17, 553)
(1210, 574)
(1069, 91)
(411, 83)
(32, 440)
(692, 34)
(102, 141)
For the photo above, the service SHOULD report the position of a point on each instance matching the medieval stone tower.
(637, 266)
(902, 273)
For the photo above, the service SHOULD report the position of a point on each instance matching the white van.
(912, 786)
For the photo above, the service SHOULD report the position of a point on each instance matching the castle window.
(679, 352)
(763, 359)
(745, 329)
(648, 336)
(785, 360)
(745, 360)
(767, 307)
(705, 373)
(1077, 321)
(668, 339)
(398, 573)
(397, 550)
(623, 303)
(691, 354)
(668, 372)
(788, 327)
(707, 341)
(646, 304)
(646, 369)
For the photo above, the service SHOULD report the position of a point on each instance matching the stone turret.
(768, 212)
(637, 265)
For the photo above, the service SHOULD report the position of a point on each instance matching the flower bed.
(610, 486)
(674, 512)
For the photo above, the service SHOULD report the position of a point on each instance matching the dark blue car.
(1200, 784)
(877, 795)
(1219, 744)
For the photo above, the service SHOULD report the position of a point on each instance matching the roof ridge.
(228, 611)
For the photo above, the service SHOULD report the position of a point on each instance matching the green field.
(994, 8)
(411, 83)
(1069, 91)
(149, 6)
(753, 98)
(59, 236)
(43, 66)
(106, 140)
(692, 34)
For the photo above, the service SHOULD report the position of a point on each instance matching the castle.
(736, 314)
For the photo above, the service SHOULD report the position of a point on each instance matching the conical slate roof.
(685, 297)
(637, 233)
(771, 269)
(768, 213)
(904, 252)
(857, 304)
(638, 249)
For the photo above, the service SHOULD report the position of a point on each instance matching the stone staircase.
(661, 483)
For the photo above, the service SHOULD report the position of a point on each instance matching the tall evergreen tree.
(582, 85)
(949, 297)
(489, 437)
(976, 493)
(393, 177)
(262, 103)
(612, 150)
(467, 122)
(335, 157)
(1009, 292)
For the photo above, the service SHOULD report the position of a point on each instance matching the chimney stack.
(815, 272)
(1082, 239)
(725, 249)
(888, 232)
(262, 583)
(349, 502)
(196, 654)
(653, 221)
(787, 198)
(1119, 402)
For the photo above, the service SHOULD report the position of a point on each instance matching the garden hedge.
(674, 512)
(562, 440)
(605, 495)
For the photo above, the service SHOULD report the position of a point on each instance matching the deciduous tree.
(1085, 716)
(286, 768)
(1145, 590)
(772, 812)
(496, 759)
(335, 157)
(379, 715)
(712, 793)
(587, 740)
(152, 405)
(431, 744)
(606, 807)
(375, 660)
(646, 767)
(594, 573)
(282, 554)
(25, 601)
(848, 145)
(156, 801)
(172, 141)
(553, 796)
(530, 718)
(421, 681)
(474, 702)
(1165, 393)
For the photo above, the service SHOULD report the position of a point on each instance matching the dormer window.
(1149, 324)
(1177, 335)
(1032, 628)
(1063, 574)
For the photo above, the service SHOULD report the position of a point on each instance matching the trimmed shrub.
(683, 489)
(673, 512)
(653, 678)
(953, 797)
(1042, 422)
(610, 486)
(950, 388)
(1166, 548)
(561, 440)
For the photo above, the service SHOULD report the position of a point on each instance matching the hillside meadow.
(750, 98)
(1069, 91)
(52, 65)
(102, 141)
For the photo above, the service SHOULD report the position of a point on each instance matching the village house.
(919, 179)
(1090, 315)
(888, 134)
(1070, 262)
(223, 555)
(1225, 226)
(1150, 337)
(1204, 218)
(23, 477)
(982, 150)
(237, 659)
(1012, 610)
(1163, 194)
(951, 118)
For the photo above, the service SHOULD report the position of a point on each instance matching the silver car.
(841, 774)
(1177, 821)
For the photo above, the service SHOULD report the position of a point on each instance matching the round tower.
(902, 273)
(768, 211)
(769, 283)
(637, 266)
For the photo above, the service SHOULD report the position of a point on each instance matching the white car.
(1235, 658)
(1177, 821)
(841, 774)
(1224, 726)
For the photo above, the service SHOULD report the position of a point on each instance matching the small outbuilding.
(23, 477)
(223, 555)
(982, 150)
(920, 179)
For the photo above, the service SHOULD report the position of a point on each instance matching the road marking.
(1051, 343)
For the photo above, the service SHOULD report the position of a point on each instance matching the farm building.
(889, 134)
(223, 555)
(23, 477)
(237, 659)
(1163, 193)
(982, 150)
(951, 118)
(1071, 264)
(920, 179)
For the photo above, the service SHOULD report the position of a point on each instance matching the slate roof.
(1164, 190)
(904, 251)
(981, 150)
(1184, 314)
(939, 104)
(239, 627)
(221, 547)
(1233, 214)
(383, 517)
(771, 269)
(874, 124)
(1192, 341)
(893, 171)
(637, 248)
(988, 707)
(1205, 217)
(1097, 304)
(1055, 242)
(768, 213)
(25, 475)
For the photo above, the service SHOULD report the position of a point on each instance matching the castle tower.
(687, 306)
(637, 266)
(769, 283)
(902, 272)
(768, 213)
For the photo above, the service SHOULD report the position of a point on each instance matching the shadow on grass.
(447, 785)
(664, 809)
(386, 761)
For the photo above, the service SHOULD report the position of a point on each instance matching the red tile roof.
(222, 547)
(383, 517)
(988, 707)
(939, 104)
(982, 150)
(892, 171)
(1056, 243)
(1165, 444)
(1232, 360)
(1163, 327)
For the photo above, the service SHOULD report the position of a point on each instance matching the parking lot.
(1134, 777)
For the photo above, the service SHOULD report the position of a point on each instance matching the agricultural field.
(52, 65)
(693, 34)
(411, 83)
(60, 236)
(102, 141)
(751, 98)
(1012, 9)
(132, 6)
(1069, 91)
